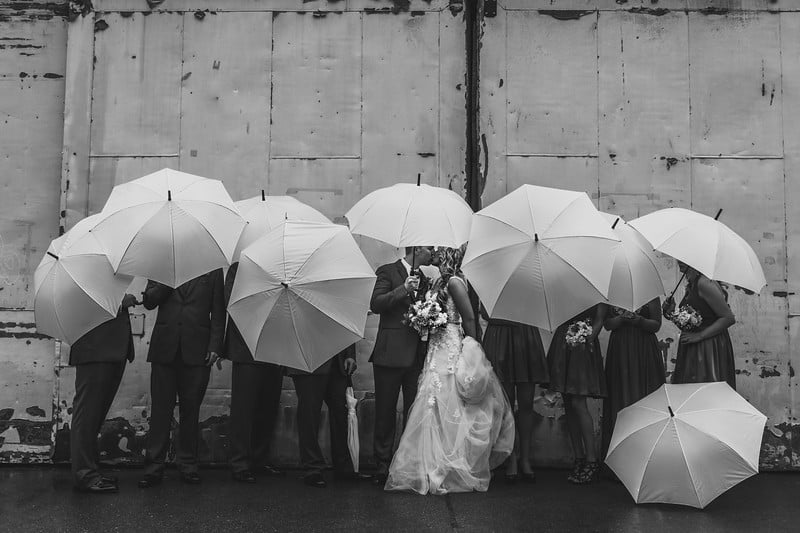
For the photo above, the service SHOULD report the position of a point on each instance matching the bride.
(460, 426)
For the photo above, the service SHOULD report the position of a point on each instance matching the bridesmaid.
(705, 354)
(634, 366)
(577, 373)
(519, 360)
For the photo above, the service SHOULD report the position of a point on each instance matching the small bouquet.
(686, 318)
(578, 332)
(425, 315)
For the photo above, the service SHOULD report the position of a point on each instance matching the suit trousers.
(312, 390)
(188, 383)
(96, 385)
(388, 382)
(255, 398)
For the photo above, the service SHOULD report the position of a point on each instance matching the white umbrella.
(169, 226)
(353, 443)
(75, 286)
(686, 444)
(262, 213)
(412, 215)
(705, 244)
(540, 256)
(301, 294)
(635, 279)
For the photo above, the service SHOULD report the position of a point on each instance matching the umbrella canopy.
(703, 243)
(686, 444)
(75, 286)
(635, 279)
(352, 424)
(540, 256)
(412, 215)
(169, 226)
(301, 294)
(262, 213)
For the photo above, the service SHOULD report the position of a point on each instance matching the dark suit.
(99, 357)
(255, 397)
(190, 323)
(397, 358)
(328, 384)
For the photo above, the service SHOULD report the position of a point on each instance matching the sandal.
(589, 474)
(577, 469)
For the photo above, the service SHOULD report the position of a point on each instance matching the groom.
(399, 353)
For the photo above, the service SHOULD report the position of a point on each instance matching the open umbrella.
(301, 294)
(705, 244)
(412, 215)
(686, 444)
(352, 424)
(634, 279)
(169, 226)
(262, 213)
(540, 255)
(75, 286)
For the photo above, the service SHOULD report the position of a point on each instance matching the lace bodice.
(445, 343)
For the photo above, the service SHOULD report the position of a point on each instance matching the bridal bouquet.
(686, 318)
(578, 332)
(425, 315)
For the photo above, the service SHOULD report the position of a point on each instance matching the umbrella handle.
(350, 380)
(716, 217)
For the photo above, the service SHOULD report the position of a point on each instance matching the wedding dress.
(460, 426)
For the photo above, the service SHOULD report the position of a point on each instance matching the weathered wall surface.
(643, 104)
(647, 105)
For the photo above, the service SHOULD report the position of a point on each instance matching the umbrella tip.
(263, 196)
(670, 411)
(614, 225)
(535, 237)
(419, 178)
(169, 196)
(718, 214)
(51, 254)
(285, 285)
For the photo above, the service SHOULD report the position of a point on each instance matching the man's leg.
(192, 384)
(163, 388)
(244, 396)
(270, 378)
(388, 381)
(310, 391)
(337, 416)
(410, 383)
(96, 385)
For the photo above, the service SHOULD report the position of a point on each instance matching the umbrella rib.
(405, 223)
(666, 392)
(688, 468)
(307, 259)
(294, 327)
(174, 254)
(717, 439)
(650, 456)
(213, 239)
(91, 297)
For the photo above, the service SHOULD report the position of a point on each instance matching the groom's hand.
(411, 284)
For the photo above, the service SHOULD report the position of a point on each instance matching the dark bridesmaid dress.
(634, 369)
(576, 370)
(516, 352)
(710, 359)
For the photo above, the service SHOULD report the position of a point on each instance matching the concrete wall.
(643, 104)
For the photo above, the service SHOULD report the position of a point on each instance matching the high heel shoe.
(577, 469)
(589, 474)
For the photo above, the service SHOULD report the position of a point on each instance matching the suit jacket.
(333, 365)
(396, 344)
(190, 321)
(110, 342)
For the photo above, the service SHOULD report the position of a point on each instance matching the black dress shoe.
(100, 487)
(245, 476)
(191, 478)
(315, 480)
(150, 481)
(272, 471)
(351, 476)
(379, 479)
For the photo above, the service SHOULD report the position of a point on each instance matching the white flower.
(431, 400)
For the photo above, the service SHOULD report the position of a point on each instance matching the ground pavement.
(41, 499)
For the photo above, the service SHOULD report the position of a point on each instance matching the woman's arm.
(597, 321)
(713, 296)
(458, 292)
(652, 324)
(613, 321)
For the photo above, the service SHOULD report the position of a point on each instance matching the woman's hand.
(668, 307)
(691, 337)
